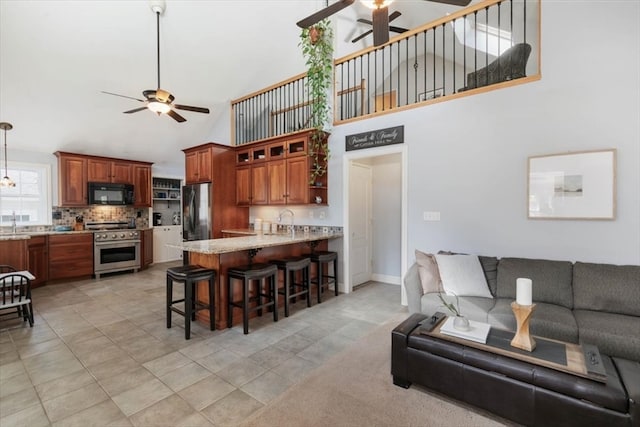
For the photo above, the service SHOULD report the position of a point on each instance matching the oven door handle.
(118, 244)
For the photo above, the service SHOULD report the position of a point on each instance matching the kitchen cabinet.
(198, 165)
(146, 248)
(38, 254)
(72, 179)
(286, 178)
(14, 253)
(217, 162)
(142, 185)
(70, 255)
(163, 235)
(75, 170)
(106, 170)
(252, 185)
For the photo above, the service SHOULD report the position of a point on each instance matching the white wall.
(468, 157)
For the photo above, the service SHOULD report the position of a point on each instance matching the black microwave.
(101, 193)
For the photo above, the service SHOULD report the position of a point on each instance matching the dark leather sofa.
(519, 391)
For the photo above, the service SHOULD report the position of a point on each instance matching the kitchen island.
(222, 254)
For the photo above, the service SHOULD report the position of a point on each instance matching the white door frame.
(348, 158)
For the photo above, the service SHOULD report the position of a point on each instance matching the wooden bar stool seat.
(249, 274)
(293, 289)
(320, 258)
(190, 275)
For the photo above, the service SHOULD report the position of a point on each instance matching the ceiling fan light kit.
(376, 4)
(160, 101)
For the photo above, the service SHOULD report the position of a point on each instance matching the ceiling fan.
(392, 28)
(159, 100)
(380, 15)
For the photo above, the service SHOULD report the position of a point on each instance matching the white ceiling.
(56, 57)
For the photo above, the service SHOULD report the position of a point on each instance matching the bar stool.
(190, 275)
(319, 259)
(248, 274)
(290, 265)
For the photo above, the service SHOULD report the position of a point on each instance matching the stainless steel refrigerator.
(197, 223)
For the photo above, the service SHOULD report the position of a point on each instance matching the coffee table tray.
(558, 355)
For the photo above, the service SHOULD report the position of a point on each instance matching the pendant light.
(6, 181)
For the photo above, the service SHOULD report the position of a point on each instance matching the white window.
(30, 198)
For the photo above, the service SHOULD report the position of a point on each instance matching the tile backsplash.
(99, 214)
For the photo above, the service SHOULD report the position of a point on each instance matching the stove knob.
(122, 235)
(113, 236)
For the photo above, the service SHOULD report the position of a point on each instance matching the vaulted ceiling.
(57, 56)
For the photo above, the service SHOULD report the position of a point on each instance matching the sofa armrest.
(413, 287)
(629, 372)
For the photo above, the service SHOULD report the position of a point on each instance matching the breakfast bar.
(225, 253)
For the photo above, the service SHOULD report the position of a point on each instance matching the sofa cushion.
(428, 272)
(606, 287)
(614, 334)
(547, 321)
(462, 275)
(551, 279)
(490, 268)
(473, 308)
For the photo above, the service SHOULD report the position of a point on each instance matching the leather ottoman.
(517, 390)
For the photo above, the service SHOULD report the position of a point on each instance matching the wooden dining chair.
(15, 292)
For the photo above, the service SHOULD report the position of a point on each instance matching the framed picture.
(431, 94)
(580, 185)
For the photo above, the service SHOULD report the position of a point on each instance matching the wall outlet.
(322, 215)
(431, 216)
(310, 214)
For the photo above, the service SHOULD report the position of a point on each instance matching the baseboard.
(392, 280)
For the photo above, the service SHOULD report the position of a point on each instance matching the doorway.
(375, 206)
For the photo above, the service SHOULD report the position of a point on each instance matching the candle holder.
(522, 339)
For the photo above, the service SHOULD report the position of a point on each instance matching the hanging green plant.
(317, 48)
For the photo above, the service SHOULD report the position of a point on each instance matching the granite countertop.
(24, 235)
(255, 241)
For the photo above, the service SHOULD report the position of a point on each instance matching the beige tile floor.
(100, 354)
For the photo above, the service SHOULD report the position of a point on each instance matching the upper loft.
(486, 46)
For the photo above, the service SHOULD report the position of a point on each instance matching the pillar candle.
(524, 291)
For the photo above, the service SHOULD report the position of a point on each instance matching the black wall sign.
(375, 138)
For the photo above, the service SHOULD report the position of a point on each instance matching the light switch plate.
(431, 216)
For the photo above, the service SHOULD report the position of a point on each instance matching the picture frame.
(431, 94)
(578, 185)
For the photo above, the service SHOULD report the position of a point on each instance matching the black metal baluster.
(444, 62)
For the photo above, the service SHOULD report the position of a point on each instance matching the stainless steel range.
(116, 248)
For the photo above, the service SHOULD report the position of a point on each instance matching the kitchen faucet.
(289, 211)
(13, 223)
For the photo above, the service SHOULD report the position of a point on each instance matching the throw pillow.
(428, 272)
(462, 275)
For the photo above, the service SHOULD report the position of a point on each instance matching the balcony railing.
(495, 42)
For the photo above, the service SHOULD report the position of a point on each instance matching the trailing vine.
(317, 48)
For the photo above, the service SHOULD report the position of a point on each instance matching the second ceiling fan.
(159, 100)
(380, 15)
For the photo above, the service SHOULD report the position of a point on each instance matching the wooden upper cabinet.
(142, 185)
(277, 172)
(72, 179)
(297, 180)
(198, 165)
(243, 185)
(105, 170)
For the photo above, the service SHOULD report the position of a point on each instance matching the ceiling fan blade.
(189, 108)
(394, 15)
(380, 26)
(361, 36)
(135, 110)
(399, 30)
(453, 2)
(324, 13)
(365, 21)
(122, 96)
(177, 117)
